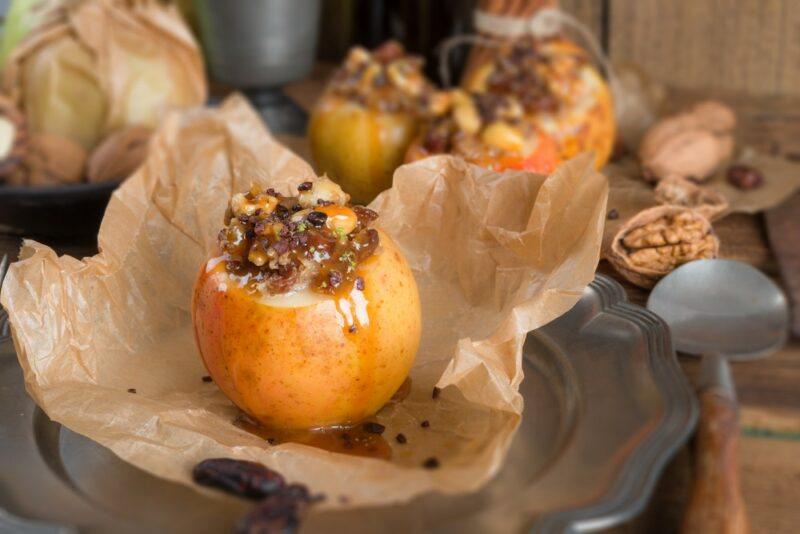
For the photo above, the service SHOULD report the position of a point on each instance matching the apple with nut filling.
(309, 315)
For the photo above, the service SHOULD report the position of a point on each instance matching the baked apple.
(561, 92)
(369, 114)
(488, 130)
(309, 316)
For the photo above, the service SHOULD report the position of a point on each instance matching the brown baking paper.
(781, 179)
(495, 255)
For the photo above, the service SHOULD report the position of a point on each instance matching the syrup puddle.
(344, 439)
(353, 439)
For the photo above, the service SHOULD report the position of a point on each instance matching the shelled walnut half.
(657, 240)
(679, 191)
(13, 138)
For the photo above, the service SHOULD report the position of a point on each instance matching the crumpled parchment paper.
(495, 255)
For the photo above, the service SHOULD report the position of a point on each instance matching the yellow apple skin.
(298, 366)
(358, 147)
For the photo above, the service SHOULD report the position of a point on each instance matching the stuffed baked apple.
(371, 110)
(488, 130)
(309, 316)
(561, 92)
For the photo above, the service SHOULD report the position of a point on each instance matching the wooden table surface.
(769, 390)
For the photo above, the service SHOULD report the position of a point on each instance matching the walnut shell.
(119, 155)
(714, 116)
(663, 130)
(657, 240)
(692, 144)
(678, 191)
(13, 140)
(53, 160)
(691, 153)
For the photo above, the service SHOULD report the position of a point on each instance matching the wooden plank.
(589, 13)
(747, 46)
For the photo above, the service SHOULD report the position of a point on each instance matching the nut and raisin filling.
(388, 80)
(481, 125)
(316, 240)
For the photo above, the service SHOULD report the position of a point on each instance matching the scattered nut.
(119, 155)
(690, 153)
(679, 191)
(53, 160)
(745, 177)
(657, 240)
(691, 144)
(714, 116)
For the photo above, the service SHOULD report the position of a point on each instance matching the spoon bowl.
(724, 307)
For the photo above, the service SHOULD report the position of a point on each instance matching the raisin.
(335, 278)
(305, 186)
(239, 477)
(373, 428)
(317, 218)
(430, 463)
(745, 177)
(613, 214)
(401, 438)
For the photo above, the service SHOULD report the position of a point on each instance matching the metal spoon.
(720, 310)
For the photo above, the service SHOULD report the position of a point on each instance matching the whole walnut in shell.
(679, 191)
(119, 154)
(51, 160)
(691, 144)
(657, 240)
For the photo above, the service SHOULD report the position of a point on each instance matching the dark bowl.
(60, 211)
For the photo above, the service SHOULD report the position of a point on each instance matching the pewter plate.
(606, 406)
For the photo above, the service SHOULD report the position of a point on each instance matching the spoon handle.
(716, 505)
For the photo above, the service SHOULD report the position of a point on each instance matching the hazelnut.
(323, 189)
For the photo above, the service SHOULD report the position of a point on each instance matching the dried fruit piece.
(119, 154)
(679, 191)
(657, 240)
(744, 177)
(13, 137)
(239, 477)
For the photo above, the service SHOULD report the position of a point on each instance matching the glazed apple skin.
(358, 147)
(300, 367)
